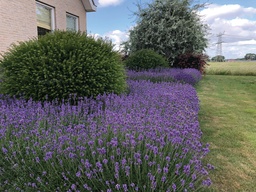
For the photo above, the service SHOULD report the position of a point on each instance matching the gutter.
(89, 5)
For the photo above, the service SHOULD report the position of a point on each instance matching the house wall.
(17, 23)
(62, 7)
(18, 18)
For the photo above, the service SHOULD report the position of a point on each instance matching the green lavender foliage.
(61, 64)
(145, 59)
(169, 27)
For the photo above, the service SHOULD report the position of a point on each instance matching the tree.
(218, 58)
(169, 27)
(250, 56)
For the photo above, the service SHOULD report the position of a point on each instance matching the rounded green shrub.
(61, 64)
(145, 59)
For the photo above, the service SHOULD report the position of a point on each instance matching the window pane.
(42, 31)
(43, 16)
(71, 23)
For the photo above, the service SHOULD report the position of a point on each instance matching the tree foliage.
(250, 56)
(218, 58)
(191, 60)
(169, 27)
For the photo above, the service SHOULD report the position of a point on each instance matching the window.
(45, 18)
(72, 22)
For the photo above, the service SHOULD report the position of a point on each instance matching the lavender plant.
(189, 75)
(148, 140)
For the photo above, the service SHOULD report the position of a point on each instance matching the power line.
(239, 37)
(227, 38)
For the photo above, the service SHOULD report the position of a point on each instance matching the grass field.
(232, 68)
(228, 121)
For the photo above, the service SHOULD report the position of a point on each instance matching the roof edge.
(89, 5)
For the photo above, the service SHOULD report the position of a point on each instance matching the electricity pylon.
(219, 44)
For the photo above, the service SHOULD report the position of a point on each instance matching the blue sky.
(235, 18)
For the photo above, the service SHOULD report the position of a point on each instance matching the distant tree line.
(218, 58)
(221, 58)
(250, 56)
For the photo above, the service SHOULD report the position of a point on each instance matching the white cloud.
(250, 42)
(116, 36)
(95, 35)
(229, 11)
(239, 26)
(105, 3)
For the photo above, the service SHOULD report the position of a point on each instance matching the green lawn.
(228, 121)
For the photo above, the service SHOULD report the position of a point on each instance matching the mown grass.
(228, 121)
(244, 68)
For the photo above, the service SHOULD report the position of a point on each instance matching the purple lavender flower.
(149, 130)
(4, 150)
(127, 170)
(185, 77)
(99, 166)
(37, 159)
(87, 164)
(155, 150)
(132, 185)
(73, 187)
(123, 162)
(125, 187)
(182, 181)
(165, 170)
(207, 182)
(194, 176)
(190, 76)
(72, 155)
(86, 187)
(186, 169)
(78, 174)
(33, 185)
(105, 161)
(64, 176)
(118, 186)
(48, 155)
(174, 187)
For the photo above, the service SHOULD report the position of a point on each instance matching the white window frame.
(52, 14)
(76, 19)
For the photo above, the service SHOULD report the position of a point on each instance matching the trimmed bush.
(61, 64)
(191, 60)
(145, 59)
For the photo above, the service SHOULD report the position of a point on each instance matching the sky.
(233, 20)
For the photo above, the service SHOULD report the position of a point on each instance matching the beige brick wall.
(18, 18)
(17, 23)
